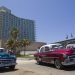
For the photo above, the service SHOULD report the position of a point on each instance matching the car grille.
(71, 56)
(6, 61)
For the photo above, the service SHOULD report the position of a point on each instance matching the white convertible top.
(52, 44)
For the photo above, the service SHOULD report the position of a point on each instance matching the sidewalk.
(24, 60)
(20, 58)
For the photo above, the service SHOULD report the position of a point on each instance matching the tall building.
(8, 20)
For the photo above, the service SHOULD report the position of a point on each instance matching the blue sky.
(54, 19)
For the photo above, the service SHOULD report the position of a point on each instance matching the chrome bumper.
(69, 62)
(7, 65)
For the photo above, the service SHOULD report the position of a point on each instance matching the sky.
(54, 19)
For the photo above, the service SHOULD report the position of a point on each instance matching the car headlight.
(64, 55)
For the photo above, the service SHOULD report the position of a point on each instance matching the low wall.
(27, 52)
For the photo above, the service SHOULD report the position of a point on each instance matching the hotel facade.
(8, 20)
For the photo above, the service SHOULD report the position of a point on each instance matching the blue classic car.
(7, 59)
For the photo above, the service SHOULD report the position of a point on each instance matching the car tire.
(39, 61)
(58, 64)
(12, 67)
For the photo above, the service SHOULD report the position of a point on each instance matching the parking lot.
(30, 67)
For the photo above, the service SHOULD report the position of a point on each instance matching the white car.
(70, 46)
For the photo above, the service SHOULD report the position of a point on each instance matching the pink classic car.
(56, 54)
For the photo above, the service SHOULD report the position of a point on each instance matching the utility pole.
(71, 35)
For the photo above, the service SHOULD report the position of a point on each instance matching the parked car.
(70, 46)
(6, 59)
(56, 54)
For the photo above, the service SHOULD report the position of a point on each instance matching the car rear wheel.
(58, 64)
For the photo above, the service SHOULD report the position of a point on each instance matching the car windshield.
(57, 47)
(2, 50)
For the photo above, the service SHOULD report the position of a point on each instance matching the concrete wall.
(34, 46)
(27, 52)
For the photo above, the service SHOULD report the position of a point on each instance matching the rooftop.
(4, 9)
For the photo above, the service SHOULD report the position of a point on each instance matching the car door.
(48, 54)
(42, 53)
(45, 53)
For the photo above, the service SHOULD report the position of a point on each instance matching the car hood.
(6, 55)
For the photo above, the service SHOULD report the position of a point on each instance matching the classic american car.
(56, 54)
(7, 59)
(70, 46)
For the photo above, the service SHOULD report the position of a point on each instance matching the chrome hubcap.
(57, 64)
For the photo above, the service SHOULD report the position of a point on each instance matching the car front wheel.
(12, 67)
(39, 61)
(58, 64)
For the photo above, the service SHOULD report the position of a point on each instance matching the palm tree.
(14, 33)
(13, 42)
(65, 43)
(9, 44)
(25, 43)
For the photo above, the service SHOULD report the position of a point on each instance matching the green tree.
(65, 43)
(25, 42)
(13, 43)
(14, 33)
(9, 44)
